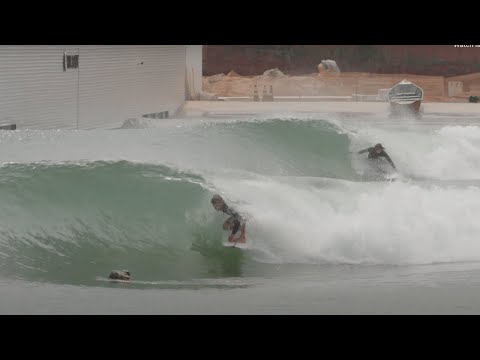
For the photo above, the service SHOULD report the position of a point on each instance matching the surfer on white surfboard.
(234, 223)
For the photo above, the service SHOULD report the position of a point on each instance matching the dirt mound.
(232, 73)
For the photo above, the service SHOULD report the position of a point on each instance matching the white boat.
(405, 98)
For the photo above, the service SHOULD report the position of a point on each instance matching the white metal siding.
(35, 92)
(194, 70)
(115, 86)
(109, 87)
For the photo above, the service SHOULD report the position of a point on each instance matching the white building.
(86, 87)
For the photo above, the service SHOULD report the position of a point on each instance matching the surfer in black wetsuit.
(119, 275)
(376, 152)
(234, 223)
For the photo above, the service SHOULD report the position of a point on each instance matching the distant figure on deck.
(119, 275)
(376, 152)
(234, 223)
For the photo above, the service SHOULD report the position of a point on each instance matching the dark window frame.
(70, 61)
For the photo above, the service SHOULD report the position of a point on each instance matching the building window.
(70, 61)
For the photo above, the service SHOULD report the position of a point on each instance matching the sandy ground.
(325, 84)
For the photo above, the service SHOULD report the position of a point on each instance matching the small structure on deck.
(464, 86)
(255, 93)
(267, 96)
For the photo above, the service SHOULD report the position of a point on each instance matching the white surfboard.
(237, 244)
(391, 176)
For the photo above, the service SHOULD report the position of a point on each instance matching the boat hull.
(402, 109)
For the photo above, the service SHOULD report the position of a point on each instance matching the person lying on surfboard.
(119, 275)
(376, 152)
(234, 223)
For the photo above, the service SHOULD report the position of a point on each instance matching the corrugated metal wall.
(35, 92)
(112, 84)
(194, 70)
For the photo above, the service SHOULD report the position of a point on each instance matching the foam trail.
(449, 153)
(331, 222)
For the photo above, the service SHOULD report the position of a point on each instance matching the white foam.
(380, 223)
(450, 153)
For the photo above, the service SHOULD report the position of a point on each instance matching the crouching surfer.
(234, 223)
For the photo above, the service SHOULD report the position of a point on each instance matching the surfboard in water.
(391, 177)
(237, 244)
(242, 243)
